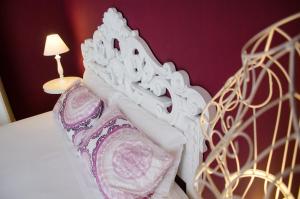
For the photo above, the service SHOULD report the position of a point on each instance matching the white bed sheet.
(37, 161)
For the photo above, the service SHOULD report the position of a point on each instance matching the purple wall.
(202, 37)
(24, 69)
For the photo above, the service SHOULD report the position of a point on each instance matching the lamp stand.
(60, 69)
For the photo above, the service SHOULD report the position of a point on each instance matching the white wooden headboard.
(122, 58)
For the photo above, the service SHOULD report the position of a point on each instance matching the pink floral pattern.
(132, 160)
(77, 109)
(125, 164)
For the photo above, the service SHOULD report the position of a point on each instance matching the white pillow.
(160, 132)
(141, 118)
(97, 85)
(172, 140)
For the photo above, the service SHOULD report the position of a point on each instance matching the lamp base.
(59, 85)
(60, 69)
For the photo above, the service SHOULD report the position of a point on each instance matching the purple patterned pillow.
(125, 163)
(77, 109)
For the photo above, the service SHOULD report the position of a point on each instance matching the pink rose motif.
(131, 160)
(79, 100)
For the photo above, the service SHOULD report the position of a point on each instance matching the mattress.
(37, 161)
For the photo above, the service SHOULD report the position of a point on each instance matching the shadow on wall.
(6, 115)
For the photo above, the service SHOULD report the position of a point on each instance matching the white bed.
(37, 160)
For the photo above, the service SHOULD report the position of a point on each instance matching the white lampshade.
(55, 45)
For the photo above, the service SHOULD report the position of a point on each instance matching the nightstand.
(59, 85)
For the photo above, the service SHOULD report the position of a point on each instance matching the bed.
(38, 160)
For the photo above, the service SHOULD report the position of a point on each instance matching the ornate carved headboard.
(122, 58)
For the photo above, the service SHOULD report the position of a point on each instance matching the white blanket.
(38, 162)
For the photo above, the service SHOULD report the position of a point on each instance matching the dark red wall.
(202, 37)
(24, 69)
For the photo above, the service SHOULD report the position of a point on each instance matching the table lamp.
(54, 46)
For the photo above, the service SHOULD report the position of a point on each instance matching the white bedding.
(38, 162)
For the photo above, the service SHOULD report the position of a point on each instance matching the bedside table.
(59, 85)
